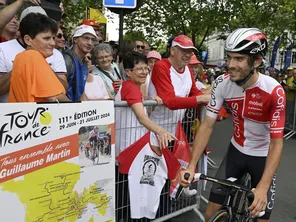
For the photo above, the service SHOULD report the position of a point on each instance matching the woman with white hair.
(106, 68)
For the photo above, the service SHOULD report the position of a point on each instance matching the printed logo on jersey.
(257, 105)
(270, 203)
(236, 107)
(215, 85)
(149, 169)
(277, 115)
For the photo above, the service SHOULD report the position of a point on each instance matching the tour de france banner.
(57, 162)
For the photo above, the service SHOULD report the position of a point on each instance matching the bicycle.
(95, 153)
(238, 198)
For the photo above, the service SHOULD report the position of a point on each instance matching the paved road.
(285, 206)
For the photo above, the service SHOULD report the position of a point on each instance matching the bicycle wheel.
(220, 216)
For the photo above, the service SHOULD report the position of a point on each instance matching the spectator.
(77, 72)
(106, 68)
(131, 129)
(10, 30)
(152, 58)
(95, 88)
(60, 40)
(169, 45)
(290, 95)
(97, 29)
(197, 71)
(126, 46)
(147, 48)
(173, 82)
(140, 47)
(9, 49)
(129, 121)
(32, 79)
(7, 13)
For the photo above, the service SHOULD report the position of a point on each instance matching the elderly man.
(173, 82)
(83, 38)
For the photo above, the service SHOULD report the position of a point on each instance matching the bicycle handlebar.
(228, 183)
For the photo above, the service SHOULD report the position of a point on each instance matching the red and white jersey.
(177, 90)
(127, 127)
(147, 174)
(258, 112)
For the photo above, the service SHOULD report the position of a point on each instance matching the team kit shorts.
(236, 164)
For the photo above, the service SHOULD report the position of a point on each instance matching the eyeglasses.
(103, 58)
(140, 69)
(59, 35)
(86, 38)
(88, 57)
(140, 46)
(185, 51)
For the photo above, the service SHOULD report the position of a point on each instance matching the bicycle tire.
(220, 216)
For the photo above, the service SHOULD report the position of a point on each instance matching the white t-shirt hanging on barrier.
(147, 174)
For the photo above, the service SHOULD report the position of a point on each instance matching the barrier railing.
(128, 131)
(290, 118)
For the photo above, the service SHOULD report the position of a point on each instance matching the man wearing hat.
(175, 84)
(95, 26)
(83, 38)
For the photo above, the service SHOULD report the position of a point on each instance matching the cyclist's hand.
(259, 203)
(182, 181)
(165, 137)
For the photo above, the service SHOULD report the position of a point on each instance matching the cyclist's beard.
(245, 75)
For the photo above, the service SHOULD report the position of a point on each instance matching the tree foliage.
(199, 18)
(75, 11)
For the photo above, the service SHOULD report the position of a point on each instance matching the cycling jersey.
(92, 134)
(258, 112)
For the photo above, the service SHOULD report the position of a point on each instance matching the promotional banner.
(274, 51)
(288, 56)
(57, 162)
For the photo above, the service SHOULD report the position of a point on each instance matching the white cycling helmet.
(247, 40)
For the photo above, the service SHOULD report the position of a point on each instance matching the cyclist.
(93, 140)
(257, 103)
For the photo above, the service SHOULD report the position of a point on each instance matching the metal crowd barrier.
(290, 118)
(168, 208)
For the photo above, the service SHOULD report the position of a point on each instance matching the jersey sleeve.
(172, 163)
(165, 90)
(217, 99)
(131, 93)
(277, 112)
(127, 156)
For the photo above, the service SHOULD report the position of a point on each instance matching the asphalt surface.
(285, 203)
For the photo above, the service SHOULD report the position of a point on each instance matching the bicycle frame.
(232, 187)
